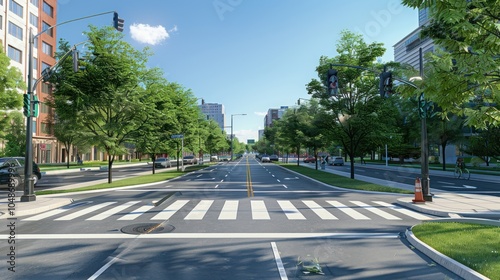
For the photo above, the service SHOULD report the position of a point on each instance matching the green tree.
(11, 85)
(215, 139)
(485, 144)
(110, 99)
(15, 136)
(353, 112)
(464, 78)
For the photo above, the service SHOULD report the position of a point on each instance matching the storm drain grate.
(147, 228)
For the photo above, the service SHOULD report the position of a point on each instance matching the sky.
(249, 55)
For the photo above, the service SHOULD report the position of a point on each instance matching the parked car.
(265, 158)
(310, 159)
(336, 161)
(16, 166)
(163, 162)
(190, 160)
(274, 157)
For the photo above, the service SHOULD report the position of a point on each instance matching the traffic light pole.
(424, 145)
(29, 193)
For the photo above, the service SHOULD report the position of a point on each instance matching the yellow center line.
(249, 181)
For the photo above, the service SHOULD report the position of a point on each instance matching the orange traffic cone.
(419, 196)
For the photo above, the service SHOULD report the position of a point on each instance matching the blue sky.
(249, 55)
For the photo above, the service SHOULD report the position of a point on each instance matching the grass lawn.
(475, 246)
(341, 181)
(144, 179)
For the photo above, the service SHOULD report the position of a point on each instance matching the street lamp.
(232, 132)
(28, 194)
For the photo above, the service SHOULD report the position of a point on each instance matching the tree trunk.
(443, 146)
(110, 165)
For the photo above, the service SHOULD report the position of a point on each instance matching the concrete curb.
(44, 204)
(443, 213)
(443, 260)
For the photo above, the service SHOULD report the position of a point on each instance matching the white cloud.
(145, 33)
(263, 114)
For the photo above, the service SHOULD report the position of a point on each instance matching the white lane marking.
(73, 177)
(351, 212)
(226, 175)
(403, 211)
(136, 213)
(285, 186)
(112, 211)
(199, 210)
(84, 211)
(259, 210)
(290, 211)
(320, 211)
(376, 211)
(216, 186)
(222, 180)
(253, 235)
(279, 263)
(446, 183)
(271, 175)
(229, 210)
(469, 187)
(278, 180)
(295, 178)
(166, 213)
(199, 176)
(46, 214)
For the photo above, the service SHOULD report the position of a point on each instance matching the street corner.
(428, 207)
(41, 204)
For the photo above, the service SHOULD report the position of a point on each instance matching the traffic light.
(26, 105)
(35, 106)
(332, 82)
(118, 22)
(385, 86)
(75, 60)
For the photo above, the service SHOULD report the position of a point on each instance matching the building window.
(15, 31)
(16, 8)
(44, 108)
(48, 9)
(34, 20)
(45, 66)
(34, 2)
(1, 22)
(46, 48)
(35, 43)
(46, 88)
(45, 128)
(35, 62)
(15, 54)
(49, 31)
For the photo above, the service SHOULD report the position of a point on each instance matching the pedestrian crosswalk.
(227, 210)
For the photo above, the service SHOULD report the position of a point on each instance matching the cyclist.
(461, 164)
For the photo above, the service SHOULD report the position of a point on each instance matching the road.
(238, 220)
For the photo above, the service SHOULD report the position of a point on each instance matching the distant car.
(274, 157)
(163, 162)
(310, 159)
(265, 158)
(16, 172)
(190, 160)
(337, 161)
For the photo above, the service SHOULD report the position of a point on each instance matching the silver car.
(163, 162)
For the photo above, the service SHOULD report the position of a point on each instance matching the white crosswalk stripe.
(349, 211)
(228, 210)
(112, 211)
(320, 211)
(168, 212)
(259, 210)
(84, 211)
(290, 211)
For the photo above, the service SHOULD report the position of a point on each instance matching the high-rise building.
(274, 114)
(213, 111)
(19, 19)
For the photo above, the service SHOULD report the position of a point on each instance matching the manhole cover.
(147, 228)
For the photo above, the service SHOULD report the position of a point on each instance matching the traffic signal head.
(26, 105)
(332, 82)
(385, 84)
(118, 22)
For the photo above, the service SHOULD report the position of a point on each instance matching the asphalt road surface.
(237, 220)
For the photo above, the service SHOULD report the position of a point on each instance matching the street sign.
(177, 136)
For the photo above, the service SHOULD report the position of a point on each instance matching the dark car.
(15, 166)
(310, 159)
(274, 158)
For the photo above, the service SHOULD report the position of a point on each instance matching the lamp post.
(232, 132)
(28, 194)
